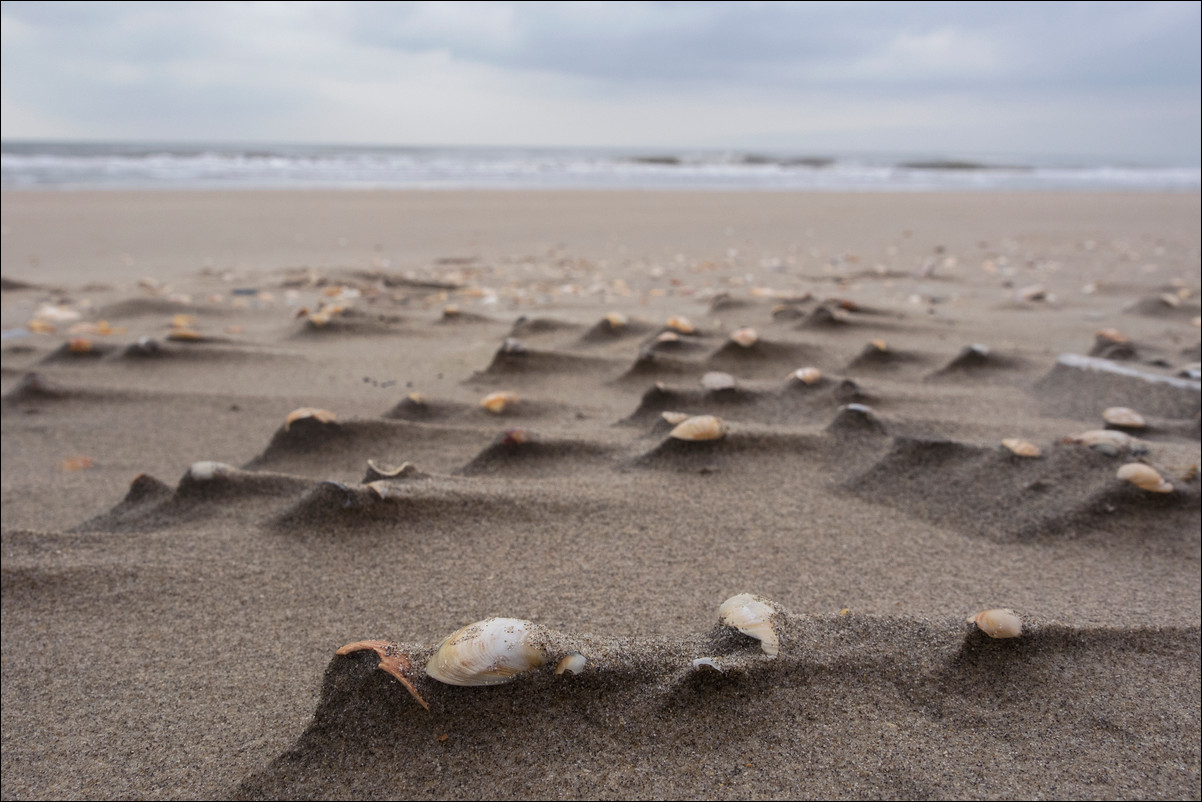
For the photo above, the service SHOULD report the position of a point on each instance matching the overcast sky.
(1115, 79)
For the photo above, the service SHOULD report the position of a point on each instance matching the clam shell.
(681, 324)
(700, 427)
(675, 418)
(1022, 448)
(497, 402)
(745, 336)
(807, 375)
(322, 416)
(717, 380)
(1111, 335)
(752, 615)
(1124, 416)
(998, 623)
(487, 652)
(1144, 477)
(616, 320)
(1107, 440)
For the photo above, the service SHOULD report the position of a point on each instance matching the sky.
(1106, 79)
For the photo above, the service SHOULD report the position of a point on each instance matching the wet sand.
(181, 562)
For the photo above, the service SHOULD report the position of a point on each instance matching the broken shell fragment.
(717, 380)
(1125, 417)
(745, 336)
(709, 662)
(1144, 477)
(496, 403)
(616, 320)
(998, 623)
(79, 345)
(1107, 441)
(573, 663)
(320, 415)
(700, 427)
(392, 660)
(1022, 448)
(675, 418)
(487, 652)
(807, 375)
(752, 615)
(379, 471)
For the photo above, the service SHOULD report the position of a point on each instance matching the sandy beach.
(183, 558)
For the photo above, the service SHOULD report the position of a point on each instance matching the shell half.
(700, 427)
(998, 623)
(1144, 477)
(488, 652)
(752, 615)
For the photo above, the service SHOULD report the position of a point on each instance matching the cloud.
(607, 73)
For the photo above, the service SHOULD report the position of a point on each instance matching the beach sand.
(170, 625)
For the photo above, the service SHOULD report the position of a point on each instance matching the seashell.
(487, 652)
(416, 397)
(675, 418)
(450, 311)
(514, 347)
(77, 463)
(1171, 299)
(745, 336)
(573, 662)
(321, 415)
(1033, 292)
(1111, 335)
(700, 427)
(207, 470)
(496, 403)
(879, 344)
(998, 623)
(1107, 441)
(184, 335)
(1022, 448)
(513, 437)
(616, 320)
(717, 380)
(378, 470)
(807, 375)
(1144, 477)
(709, 662)
(667, 337)
(319, 318)
(182, 321)
(79, 345)
(752, 616)
(681, 324)
(1125, 417)
(392, 660)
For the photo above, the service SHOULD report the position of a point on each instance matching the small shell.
(321, 415)
(79, 345)
(616, 320)
(675, 418)
(1144, 477)
(1106, 440)
(717, 380)
(319, 319)
(183, 321)
(998, 623)
(745, 336)
(184, 335)
(573, 663)
(681, 324)
(1022, 448)
(667, 337)
(514, 347)
(496, 403)
(807, 375)
(1111, 335)
(700, 427)
(1125, 417)
(207, 470)
(752, 616)
(450, 311)
(487, 652)
(709, 662)
(879, 344)
(378, 470)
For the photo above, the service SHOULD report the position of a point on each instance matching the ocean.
(96, 165)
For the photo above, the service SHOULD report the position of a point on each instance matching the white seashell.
(807, 375)
(1144, 477)
(487, 652)
(700, 427)
(752, 616)
(1022, 448)
(998, 623)
(710, 662)
(497, 402)
(745, 336)
(675, 418)
(1104, 439)
(206, 470)
(573, 662)
(320, 415)
(667, 337)
(717, 380)
(1125, 417)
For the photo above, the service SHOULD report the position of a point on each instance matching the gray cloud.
(1103, 75)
